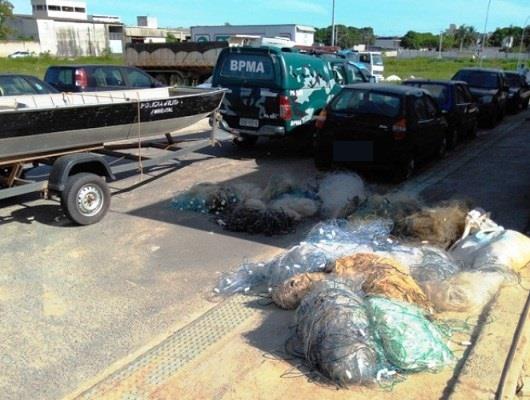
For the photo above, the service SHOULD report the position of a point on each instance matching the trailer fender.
(72, 164)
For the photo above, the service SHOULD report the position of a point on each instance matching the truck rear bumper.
(265, 130)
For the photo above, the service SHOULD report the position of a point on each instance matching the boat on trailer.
(47, 123)
(74, 134)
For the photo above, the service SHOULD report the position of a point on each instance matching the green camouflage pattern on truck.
(308, 88)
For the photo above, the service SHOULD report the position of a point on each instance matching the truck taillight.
(286, 111)
(321, 119)
(399, 129)
(81, 78)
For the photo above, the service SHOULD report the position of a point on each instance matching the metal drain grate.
(153, 368)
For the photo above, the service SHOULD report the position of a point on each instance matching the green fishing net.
(410, 341)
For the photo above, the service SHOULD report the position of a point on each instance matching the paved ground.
(75, 300)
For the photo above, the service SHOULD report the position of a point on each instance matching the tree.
(465, 36)
(418, 40)
(347, 36)
(6, 11)
(170, 38)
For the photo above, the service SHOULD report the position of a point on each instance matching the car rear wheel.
(245, 141)
(472, 133)
(323, 157)
(493, 119)
(442, 148)
(453, 139)
(404, 170)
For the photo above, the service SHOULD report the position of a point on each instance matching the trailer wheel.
(86, 198)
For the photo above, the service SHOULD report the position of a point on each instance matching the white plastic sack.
(337, 191)
(488, 246)
(505, 250)
(464, 292)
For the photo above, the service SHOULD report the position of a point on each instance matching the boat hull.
(41, 131)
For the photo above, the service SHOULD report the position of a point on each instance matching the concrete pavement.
(75, 300)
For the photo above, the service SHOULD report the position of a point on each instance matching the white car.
(20, 54)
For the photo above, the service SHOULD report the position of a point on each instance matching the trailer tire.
(86, 198)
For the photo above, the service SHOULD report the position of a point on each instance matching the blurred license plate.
(353, 151)
(249, 123)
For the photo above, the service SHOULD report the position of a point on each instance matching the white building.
(59, 9)
(300, 34)
(63, 28)
(148, 31)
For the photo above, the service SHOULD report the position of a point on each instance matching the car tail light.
(321, 119)
(286, 111)
(399, 129)
(81, 79)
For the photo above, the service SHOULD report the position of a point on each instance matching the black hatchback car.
(18, 84)
(519, 93)
(380, 126)
(457, 104)
(92, 78)
(490, 90)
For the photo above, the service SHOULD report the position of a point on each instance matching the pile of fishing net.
(441, 225)
(334, 336)
(365, 298)
(353, 340)
(370, 273)
(207, 198)
(278, 207)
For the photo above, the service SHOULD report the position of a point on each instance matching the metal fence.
(489, 53)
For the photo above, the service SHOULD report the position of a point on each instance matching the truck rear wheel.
(86, 198)
(246, 141)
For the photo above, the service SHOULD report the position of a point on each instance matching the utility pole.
(485, 36)
(441, 44)
(333, 24)
(519, 57)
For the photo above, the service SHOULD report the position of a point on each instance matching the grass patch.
(434, 68)
(419, 67)
(37, 66)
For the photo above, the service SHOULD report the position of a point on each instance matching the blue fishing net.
(207, 198)
(261, 277)
(410, 341)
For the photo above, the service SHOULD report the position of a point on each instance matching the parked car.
(519, 93)
(345, 71)
(380, 126)
(92, 78)
(16, 84)
(457, 104)
(271, 91)
(490, 90)
(21, 54)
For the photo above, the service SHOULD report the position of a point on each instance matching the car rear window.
(107, 77)
(479, 79)
(248, 67)
(513, 80)
(15, 85)
(439, 92)
(60, 77)
(367, 102)
(138, 78)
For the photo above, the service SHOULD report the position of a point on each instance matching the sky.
(387, 17)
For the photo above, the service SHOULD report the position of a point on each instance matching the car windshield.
(439, 92)
(378, 60)
(478, 79)
(357, 101)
